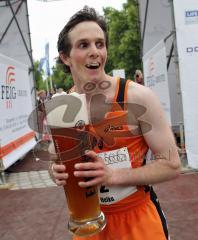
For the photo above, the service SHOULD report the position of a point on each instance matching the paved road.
(35, 209)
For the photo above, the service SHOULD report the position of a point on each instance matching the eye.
(83, 45)
(100, 44)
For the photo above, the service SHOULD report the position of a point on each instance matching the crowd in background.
(43, 96)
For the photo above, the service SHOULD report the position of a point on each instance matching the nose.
(93, 51)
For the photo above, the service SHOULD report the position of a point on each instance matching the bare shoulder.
(140, 94)
(154, 125)
(153, 111)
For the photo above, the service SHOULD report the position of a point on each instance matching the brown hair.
(86, 14)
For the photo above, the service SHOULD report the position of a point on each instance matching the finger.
(60, 182)
(57, 172)
(89, 166)
(96, 173)
(59, 168)
(60, 176)
(92, 182)
(91, 154)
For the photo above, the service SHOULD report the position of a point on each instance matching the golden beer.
(86, 217)
(67, 118)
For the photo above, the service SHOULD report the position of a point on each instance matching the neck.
(105, 87)
(94, 87)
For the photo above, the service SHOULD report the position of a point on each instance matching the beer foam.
(67, 111)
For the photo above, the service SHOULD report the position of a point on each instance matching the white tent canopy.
(176, 23)
(15, 41)
(157, 23)
(15, 53)
(14, 31)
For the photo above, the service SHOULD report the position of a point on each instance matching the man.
(41, 98)
(139, 77)
(134, 120)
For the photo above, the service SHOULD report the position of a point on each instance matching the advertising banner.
(16, 138)
(155, 75)
(15, 37)
(186, 21)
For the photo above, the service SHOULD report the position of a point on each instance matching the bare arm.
(159, 139)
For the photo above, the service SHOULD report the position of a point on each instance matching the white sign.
(191, 16)
(186, 21)
(119, 73)
(118, 158)
(155, 75)
(16, 138)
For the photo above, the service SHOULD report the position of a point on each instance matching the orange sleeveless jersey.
(136, 216)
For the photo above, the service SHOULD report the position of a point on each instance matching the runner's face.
(88, 53)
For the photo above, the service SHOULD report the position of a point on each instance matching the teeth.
(93, 65)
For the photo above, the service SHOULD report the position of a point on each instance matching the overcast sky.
(48, 18)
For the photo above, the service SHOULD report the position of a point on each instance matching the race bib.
(118, 158)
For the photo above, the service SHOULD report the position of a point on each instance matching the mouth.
(92, 65)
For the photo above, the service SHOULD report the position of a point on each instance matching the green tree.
(38, 76)
(123, 52)
(60, 79)
(124, 38)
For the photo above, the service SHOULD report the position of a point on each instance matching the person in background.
(41, 98)
(139, 77)
(136, 123)
(51, 93)
(59, 92)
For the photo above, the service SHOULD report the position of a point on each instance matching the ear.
(65, 59)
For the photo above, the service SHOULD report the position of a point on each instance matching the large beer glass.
(71, 139)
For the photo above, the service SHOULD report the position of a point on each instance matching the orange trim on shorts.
(8, 148)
